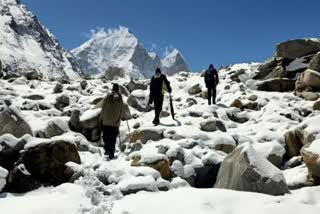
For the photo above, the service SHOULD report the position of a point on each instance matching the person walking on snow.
(159, 83)
(111, 115)
(211, 80)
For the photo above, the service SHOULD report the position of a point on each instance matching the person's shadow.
(172, 125)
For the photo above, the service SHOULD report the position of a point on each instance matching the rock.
(295, 139)
(316, 106)
(212, 125)
(97, 102)
(126, 115)
(162, 149)
(308, 95)
(206, 176)
(293, 49)
(83, 84)
(163, 167)
(191, 101)
(13, 123)
(237, 103)
(123, 90)
(253, 98)
(3, 176)
(58, 88)
(137, 146)
(245, 170)
(113, 72)
(276, 160)
(293, 162)
(138, 100)
(279, 85)
(311, 78)
(311, 157)
(74, 122)
(235, 77)
(315, 63)
(32, 75)
(266, 68)
(34, 97)
(43, 164)
(62, 102)
(90, 126)
(237, 116)
(196, 89)
(54, 128)
(277, 72)
(226, 148)
(184, 74)
(145, 135)
(136, 125)
(64, 80)
(133, 85)
(164, 114)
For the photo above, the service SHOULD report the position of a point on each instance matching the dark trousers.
(110, 134)
(158, 102)
(212, 94)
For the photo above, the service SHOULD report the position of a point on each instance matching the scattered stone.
(34, 97)
(136, 125)
(315, 63)
(33, 75)
(11, 122)
(253, 98)
(83, 84)
(237, 103)
(164, 114)
(74, 122)
(145, 135)
(137, 146)
(308, 95)
(278, 85)
(212, 125)
(196, 89)
(316, 106)
(133, 85)
(58, 88)
(311, 159)
(245, 170)
(53, 129)
(62, 102)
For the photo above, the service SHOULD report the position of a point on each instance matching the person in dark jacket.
(159, 83)
(111, 115)
(211, 80)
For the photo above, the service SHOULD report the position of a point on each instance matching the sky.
(220, 32)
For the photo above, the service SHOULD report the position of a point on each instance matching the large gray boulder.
(135, 85)
(279, 85)
(212, 125)
(245, 170)
(196, 89)
(113, 72)
(144, 135)
(293, 49)
(315, 63)
(11, 122)
(138, 100)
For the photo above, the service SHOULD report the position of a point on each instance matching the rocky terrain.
(261, 137)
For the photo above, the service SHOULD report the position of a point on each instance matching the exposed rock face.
(21, 30)
(315, 63)
(316, 106)
(12, 122)
(113, 72)
(62, 102)
(43, 164)
(174, 63)
(293, 49)
(279, 85)
(245, 170)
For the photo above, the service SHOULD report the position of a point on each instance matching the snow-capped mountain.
(120, 48)
(174, 62)
(27, 45)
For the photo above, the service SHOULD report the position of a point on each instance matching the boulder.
(62, 102)
(311, 78)
(34, 97)
(278, 85)
(3, 176)
(164, 114)
(83, 84)
(316, 106)
(138, 100)
(212, 125)
(293, 49)
(90, 124)
(237, 116)
(136, 125)
(13, 123)
(74, 122)
(308, 95)
(32, 75)
(237, 104)
(58, 88)
(315, 63)
(134, 85)
(43, 164)
(196, 89)
(54, 128)
(311, 157)
(253, 98)
(145, 135)
(113, 72)
(245, 170)
(266, 68)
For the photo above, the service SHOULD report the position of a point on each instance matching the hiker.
(111, 115)
(211, 79)
(159, 83)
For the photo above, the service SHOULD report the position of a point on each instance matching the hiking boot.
(156, 122)
(209, 102)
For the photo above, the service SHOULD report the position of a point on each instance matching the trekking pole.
(128, 126)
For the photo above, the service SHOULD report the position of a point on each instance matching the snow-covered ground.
(264, 129)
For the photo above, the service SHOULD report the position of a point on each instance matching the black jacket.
(211, 78)
(159, 83)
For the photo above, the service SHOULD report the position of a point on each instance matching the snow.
(314, 148)
(297, 175)
(3, 176)
(262, 165)
(135, 183)
(188, 200)
(296, 65)
(92, 113)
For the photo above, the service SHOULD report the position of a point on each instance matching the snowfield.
(129, 184)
